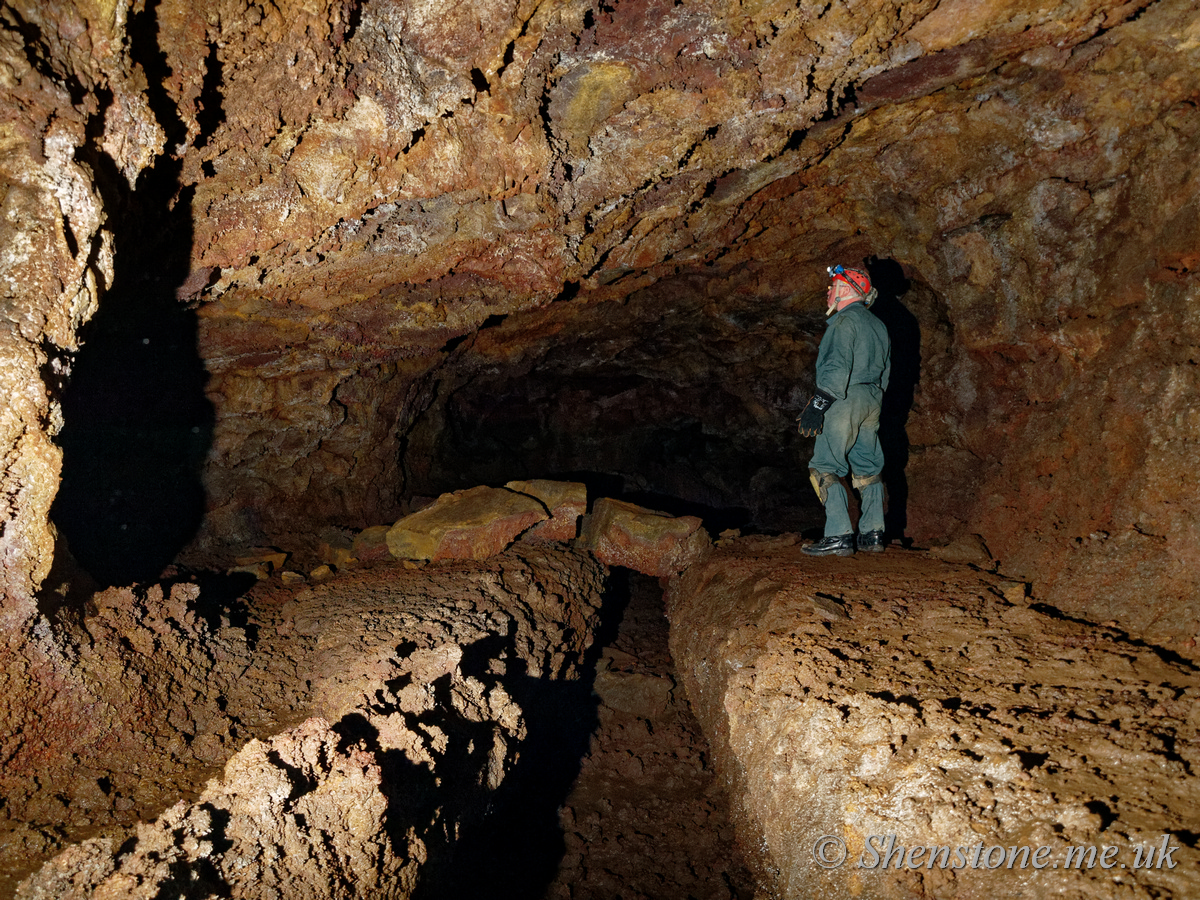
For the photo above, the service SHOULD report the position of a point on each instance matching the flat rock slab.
(566, 501)
(938, 709)
(471, 524)
(650, 542)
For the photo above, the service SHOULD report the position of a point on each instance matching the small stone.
(1013, 591)
(335, 548)
(831, 608)
(370, 544)
(966, 549)
(259, 570)
(290, 577)
(321, 573)
(271, 557)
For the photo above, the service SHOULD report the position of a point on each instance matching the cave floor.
(942, 704)
(643, 813)
(646, 819)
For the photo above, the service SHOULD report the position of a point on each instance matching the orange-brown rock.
(370, 544)
(894, 694)
(471, 524)
(654, 543)
(566, 501)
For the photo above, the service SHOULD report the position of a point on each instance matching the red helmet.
(856, 278)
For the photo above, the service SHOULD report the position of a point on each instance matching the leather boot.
(838, 545)
(871, 542)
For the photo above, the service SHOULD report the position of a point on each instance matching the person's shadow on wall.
(905, 332)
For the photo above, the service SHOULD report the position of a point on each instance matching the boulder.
(654, 543)
(370, 544)
(470, 524)
(335, 548)
(566, 501)
(273, 558)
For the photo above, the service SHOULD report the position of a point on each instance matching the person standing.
(853, 364)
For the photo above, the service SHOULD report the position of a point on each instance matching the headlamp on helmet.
(858, 280)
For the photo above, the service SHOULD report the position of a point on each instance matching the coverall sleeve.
(887, 364)
(835, 359)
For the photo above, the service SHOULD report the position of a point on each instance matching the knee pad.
(822, 482)
(865, 480)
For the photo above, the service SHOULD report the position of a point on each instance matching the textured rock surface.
(435, 683)
(472, 524)
(602, 228)
(650, 542)
(566, 502)
(355, 252)
(646, 819)
(294, 817)
(896, 695)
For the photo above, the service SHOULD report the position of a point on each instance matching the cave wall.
(399, 212)
(75, 115)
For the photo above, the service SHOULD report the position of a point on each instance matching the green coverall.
(853, 365)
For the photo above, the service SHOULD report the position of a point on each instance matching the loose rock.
(471, 524)
(653, 543)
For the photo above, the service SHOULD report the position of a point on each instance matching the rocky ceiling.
(268, 266)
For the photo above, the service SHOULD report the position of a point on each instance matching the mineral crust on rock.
(470, 524)
(653, 543)
(934, 710)
(566, 501)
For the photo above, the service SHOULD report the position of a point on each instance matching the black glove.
(812, 420)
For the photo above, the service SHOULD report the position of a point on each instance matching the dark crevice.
(511, 49)
(511, 840)
(569, 291)
(415, 139)
(480, 82)
(1103, 810)
(212, 113)
(354, 20)
(455, 342)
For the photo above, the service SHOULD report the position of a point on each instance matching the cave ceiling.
(388, 219)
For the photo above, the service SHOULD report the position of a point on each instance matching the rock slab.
(566, 501)
(294, 817)
(653, 543)
(472, 524)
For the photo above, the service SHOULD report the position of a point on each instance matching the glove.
(812, 420)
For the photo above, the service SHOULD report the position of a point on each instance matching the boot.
(838, 545)
(871, 542)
